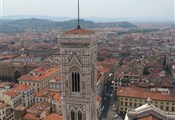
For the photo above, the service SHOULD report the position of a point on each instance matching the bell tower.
(78, 49)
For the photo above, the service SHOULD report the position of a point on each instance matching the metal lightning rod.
(78, 26)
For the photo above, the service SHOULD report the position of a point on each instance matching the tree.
(146, 71)
(125, 81)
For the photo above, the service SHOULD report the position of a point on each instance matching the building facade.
(27, 93)
(6, 112)
(55, 84)
(129, 98)
(39, 78)
(53, 97)
(12, 98)
(39, 111)
(78, 49)
(12, 70)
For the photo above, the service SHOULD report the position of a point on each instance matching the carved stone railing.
(151, 110)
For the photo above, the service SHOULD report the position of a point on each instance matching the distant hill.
(17, 17)
(22, 25)
(94, 18)
(116, 24)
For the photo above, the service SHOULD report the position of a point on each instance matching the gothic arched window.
(2, 78)
(6, 78)
(73, 81)
(78, 82)
(75, 76)
(79, 115)
(72, 115)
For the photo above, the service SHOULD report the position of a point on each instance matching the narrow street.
(108, 113)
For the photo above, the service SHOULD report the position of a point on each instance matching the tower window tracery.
(72, 115)
(75, 76)
(79, 115)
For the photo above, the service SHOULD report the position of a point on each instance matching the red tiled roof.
(104, 70)
(49, 94)
(7, 56)
(166, 84)
(148, 118)
(11, 93)
(54, 116)
(58, 78)
(79, 32)
(2, 105)
(29, 116)
(39, 107)
(140, 93)
(110, 61)
(42, 74)
(22, 87)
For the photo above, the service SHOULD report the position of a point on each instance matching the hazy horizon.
(156, 10)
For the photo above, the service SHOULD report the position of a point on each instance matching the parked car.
(102, 108)
(115, 116)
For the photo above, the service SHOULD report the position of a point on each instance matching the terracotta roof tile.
(54, 116)
(29, 116)
(39, 74)
(79, 32)
(11, 93)
(39, 107)
(58, 78)
(22, 87)
(148, 118)
(141, 93)
(110, 61)
(49, 94)
(2, 105)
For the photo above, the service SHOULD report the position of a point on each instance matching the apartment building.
(39, 111)
(6, 112)
(27, 94)
(55, 83)
(112, 63)
(12, 98)
(131, 98)
(39, 78)
(51, 96)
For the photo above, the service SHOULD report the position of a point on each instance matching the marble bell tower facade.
(78, 49)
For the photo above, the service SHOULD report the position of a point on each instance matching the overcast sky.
(89, 8)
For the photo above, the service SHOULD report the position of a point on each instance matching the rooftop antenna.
(78, 26)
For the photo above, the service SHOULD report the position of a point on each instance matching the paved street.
(108, 113)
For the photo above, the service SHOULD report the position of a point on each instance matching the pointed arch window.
(78, 81)
(75, 82)
(2, 78)
(72, 115)
(79, 115)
